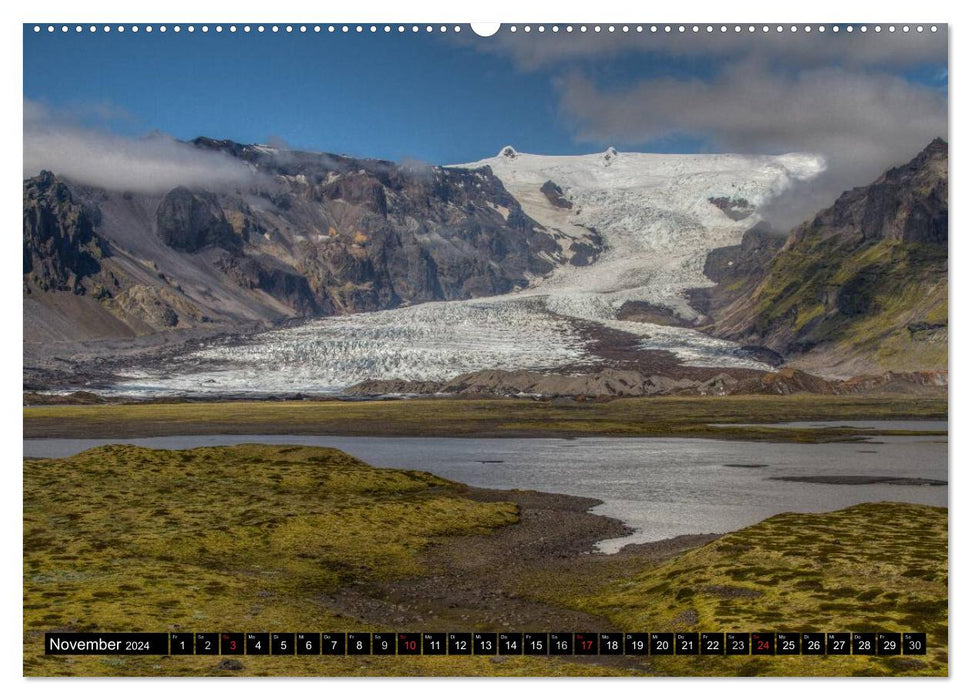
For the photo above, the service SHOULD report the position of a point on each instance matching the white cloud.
(152, 163)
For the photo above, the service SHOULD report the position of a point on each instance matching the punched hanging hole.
(485, 28)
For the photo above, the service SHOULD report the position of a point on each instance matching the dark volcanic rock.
(861, 480)
(586, 252)
(616, 382)
(644, 312)
(189, 221)
(735, 208)
(61, 247)
(276, 279)
(907, 203)
(229, 665)
(111, 293)
(759, 244)
(760, 353)
(554, 194)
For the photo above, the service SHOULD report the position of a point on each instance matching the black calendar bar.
(486, 643)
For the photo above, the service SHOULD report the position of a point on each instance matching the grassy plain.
(649, 417)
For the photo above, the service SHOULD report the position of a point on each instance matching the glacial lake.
(661, 487)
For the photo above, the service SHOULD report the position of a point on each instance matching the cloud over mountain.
(153, 163)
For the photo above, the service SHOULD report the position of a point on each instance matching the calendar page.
(528, 349)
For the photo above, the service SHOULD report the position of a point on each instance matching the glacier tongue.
(433, 341)
(653, 212)
(656, 216)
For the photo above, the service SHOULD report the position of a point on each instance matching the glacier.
(655, 217)
(653, 212)
(432, 341)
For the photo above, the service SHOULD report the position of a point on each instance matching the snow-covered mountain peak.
(755, 174)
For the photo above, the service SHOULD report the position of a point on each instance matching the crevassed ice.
(433, 341)
(652, 210)
(654, 215)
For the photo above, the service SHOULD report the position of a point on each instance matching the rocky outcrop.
(282, 282)
(396, 236)
(158, 307)
(747, 259)
(61, 248)
(862, 286)
(643, 312)
(735, 208)
(554, 195)
(189, 221)
(586, 251)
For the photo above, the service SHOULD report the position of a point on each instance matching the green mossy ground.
(125, 538)
(255, 537)
(651, 417)
(869, 568)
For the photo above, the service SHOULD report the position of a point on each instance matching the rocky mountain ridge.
(315, 235)
(859, 291)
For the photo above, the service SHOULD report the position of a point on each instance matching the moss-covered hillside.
(876, 567)
(863, 286)
(123, 538)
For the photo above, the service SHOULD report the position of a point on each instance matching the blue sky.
(446, 99)
(386, 96)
